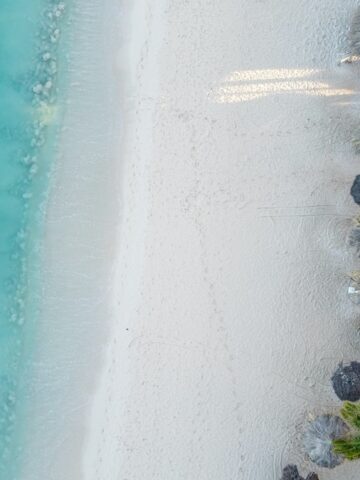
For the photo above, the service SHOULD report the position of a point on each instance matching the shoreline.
(77, 250)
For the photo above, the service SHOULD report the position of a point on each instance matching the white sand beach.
(230, 298)
(216, 304)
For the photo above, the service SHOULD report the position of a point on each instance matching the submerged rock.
(355, 190)
(291, 472)
(318, 440)
(346, 382)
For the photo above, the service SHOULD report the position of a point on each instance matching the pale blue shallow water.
(30, 33)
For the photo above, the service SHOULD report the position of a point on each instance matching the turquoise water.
(30, 32)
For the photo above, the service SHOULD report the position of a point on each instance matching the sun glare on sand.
(247, 85)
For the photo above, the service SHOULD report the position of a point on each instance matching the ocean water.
(30, 44)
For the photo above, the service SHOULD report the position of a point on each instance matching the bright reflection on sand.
(270, 74)
(247, 85)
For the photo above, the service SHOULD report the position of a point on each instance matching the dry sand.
(230, 298)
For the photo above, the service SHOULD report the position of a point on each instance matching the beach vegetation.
(350, 412)
(349, 447)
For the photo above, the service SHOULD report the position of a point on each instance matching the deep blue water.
(30, 33)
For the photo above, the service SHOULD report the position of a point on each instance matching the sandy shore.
(230, 298)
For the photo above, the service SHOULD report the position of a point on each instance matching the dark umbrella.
(355, 190)
(291, 472)
(346, 381)
(354, 239)
(312, 476)
(355, 33)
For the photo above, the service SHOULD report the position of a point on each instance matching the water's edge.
(78, 243)
(31, 38)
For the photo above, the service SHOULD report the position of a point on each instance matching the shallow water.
(30, 32)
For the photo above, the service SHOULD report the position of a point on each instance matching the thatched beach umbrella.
(318, 440)
(291, 472)
(355, 33)
(346, 381)
(312, 476)
(354, 239)
(355, 190)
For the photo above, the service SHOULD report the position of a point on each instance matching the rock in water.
(346, 382)
(291, 472)
(355, 190)
(318, 440)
